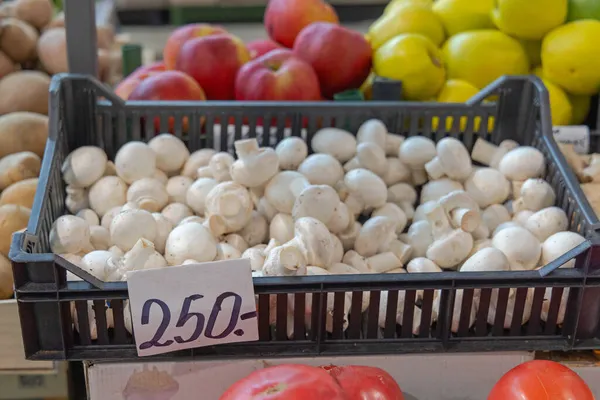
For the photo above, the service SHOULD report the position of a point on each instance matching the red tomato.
(541, 380)
(365, 383)
(286, 382)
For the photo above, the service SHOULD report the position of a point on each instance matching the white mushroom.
(321, 169)
(192, 218)
(396, 172)
(279, 194)
(534, 195)
(149, 194)
(336, 142)
(404, 196)
(452, 160)
(349, 235)
(419, 237)
(176, 212)
(100, 237)
(171, 152)
(522, 163)
(450, 246)
(558, 244)
(393, 143)
(195, 197)
(106, 193)
(220, 165)
(163, 228)
(177, 188)
(522, 216)
(236, 241)
(225, 251)
(256, 230)
(522, 249)
(89, 215)
(135, 160)
(94, 263)
(416, 151)
(372, 131)
(375, 235)
(84, 166)
(70, 234)
(369, 156)
(228, 207)
(291, 151)
(461, 210)
(433, 190)
(77, 199)
(255, 165)
(423, 209)
(486, 259)
(282, 228)
(505, 225)
(135, 259)
(495, 215)
(365, 191)
(190, 241)
(488, 153)
(129, 226)
(199, 158)
(487, 186)
(376, 264)
(160, 176)
(256, 257)
(109, 215)
(392, 211)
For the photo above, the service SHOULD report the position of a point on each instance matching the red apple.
(284, 19)
(181, 35)
(213, 61)
(277, 75)
(259, 47)
(340, 56)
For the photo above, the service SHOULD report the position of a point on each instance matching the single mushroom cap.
(423, 209)
(255, 165)
(336, 142)
(176, 212)
(450, 246)
(396, 172)
(84, 166)
(435, 189)
(534, 195)
(317, 201)
(462, 210)
(373, 131)
(487, 186)
(77, 199)
(256, 230)
(231, 202)
(171, 152)
(89, 215)
(486, 259)
(70, 234)
(421, 265)
(135, 160)
(220, 166)
(278, 191)
(149, 194)
(100, 237)
(225, 251)
(291, 151)
(108, 192)
(163, 228)
(196, 194)
(558, 244)
(452, 160)
(522, 163)
(419, 237)
(315, 241)
(547, 222)
(522, 249)
(94, 263)
(404, 196)
(199, 158)
(129, 226)
(495, 215)
(375, 234)
(281, 228)
(416, 151)
(160, 176)
(522, 216)
(393, 143)
(488, 153)
(372, 157)
(392, 211)
(321, 169)
(177, 188)
(190, 241)
(365, 190)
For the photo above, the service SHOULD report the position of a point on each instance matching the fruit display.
(425, 43)
(308, 57)
(352, 207)
(295, 381)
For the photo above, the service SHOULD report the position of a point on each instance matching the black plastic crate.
(83, 112)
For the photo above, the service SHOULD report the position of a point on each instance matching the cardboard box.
(421, 376)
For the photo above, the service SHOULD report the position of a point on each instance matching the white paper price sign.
(577, 135)
(193, 305)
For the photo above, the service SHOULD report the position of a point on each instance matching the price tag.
(193, 305)
(578, 135)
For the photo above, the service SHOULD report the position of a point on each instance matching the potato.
(21, 193)
(6, 278)
(23, 131)
(24, 91)
(37, 13)
(105, 36)
(7, 9)
(12, 219)
(19, 166)
(52, 50)
(6, 65)
(18, 40)
(57, 22)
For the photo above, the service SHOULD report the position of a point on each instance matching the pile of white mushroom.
(350, 208)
